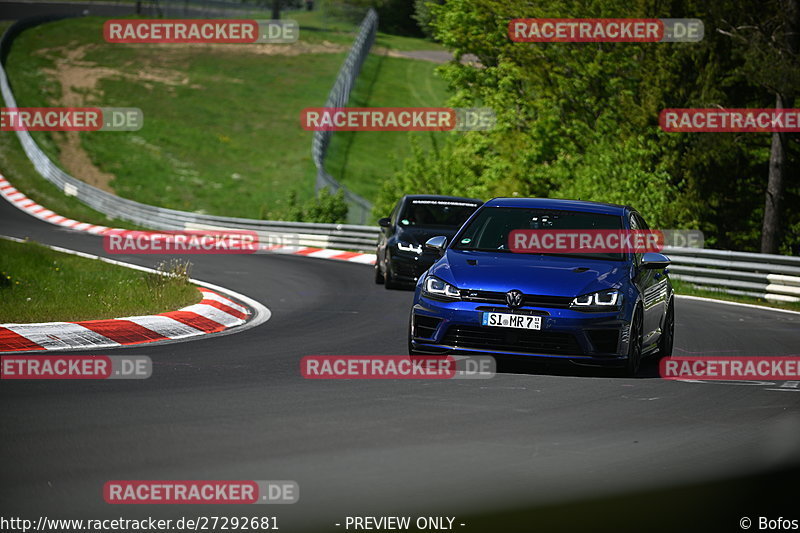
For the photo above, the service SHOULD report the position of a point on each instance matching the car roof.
(409, 197)
(565, 205)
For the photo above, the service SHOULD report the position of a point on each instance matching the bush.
(326, 208)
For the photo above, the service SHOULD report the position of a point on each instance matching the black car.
(401, 255)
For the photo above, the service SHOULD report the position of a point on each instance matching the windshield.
(440, 213)
(489, 230)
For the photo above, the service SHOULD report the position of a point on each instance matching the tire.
(667, 339)
(389, 281)
(378, 275)
(634, 360)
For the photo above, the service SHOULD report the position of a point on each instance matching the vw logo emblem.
(514, 298)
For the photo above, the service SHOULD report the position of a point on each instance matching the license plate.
(507, 320)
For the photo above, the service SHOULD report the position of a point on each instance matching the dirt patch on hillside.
(79, 78)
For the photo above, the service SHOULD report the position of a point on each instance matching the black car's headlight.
(408, 247)
(601, 300)
(433, 287)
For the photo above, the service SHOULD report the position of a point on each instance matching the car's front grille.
(404, 269)
(512, 340)
(604, 340)
(425, 326)
(528, 300)
(410, 268)
(529, 312)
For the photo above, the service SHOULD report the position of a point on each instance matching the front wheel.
(634, 347)
(667, 332)
(390, 282)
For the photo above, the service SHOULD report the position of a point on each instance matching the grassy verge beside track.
(364, 160)
(41, 285)
(690, 290)
(17, 169)
(222, 132)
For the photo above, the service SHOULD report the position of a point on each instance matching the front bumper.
(454, 327)
(408, 267)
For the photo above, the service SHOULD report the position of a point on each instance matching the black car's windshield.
(489, 230)
(432, 212)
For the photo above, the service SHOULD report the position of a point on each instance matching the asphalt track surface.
(236, 407)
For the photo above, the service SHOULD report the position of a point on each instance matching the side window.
(640, 221)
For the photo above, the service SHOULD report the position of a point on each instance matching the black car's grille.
(604, 340)
(425, 326)
(405, 269)
(529, 300)
(411, 268)
(512, 340)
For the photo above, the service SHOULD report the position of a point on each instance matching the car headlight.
(598, 300)
(408, 247)
(436, 288)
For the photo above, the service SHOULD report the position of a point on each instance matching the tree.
(581, 119)
(773, 42)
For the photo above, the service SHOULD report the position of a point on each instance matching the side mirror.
(654, 261)
(385, 222)
(438, 243)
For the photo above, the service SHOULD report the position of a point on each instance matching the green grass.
(227, 141)
(41, 285)
(364, 160)
(406, 44)
(690, 290)
(319, 22)
(16, 167)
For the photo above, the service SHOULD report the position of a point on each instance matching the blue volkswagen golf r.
(596, 309)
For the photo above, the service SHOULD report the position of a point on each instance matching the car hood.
(532, 274)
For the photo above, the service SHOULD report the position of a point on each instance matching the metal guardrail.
(351, 237)
(358, 207)
(770, 277)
